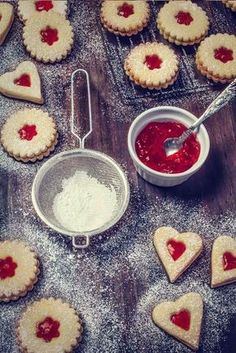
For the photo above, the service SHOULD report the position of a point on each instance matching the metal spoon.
(173, 145)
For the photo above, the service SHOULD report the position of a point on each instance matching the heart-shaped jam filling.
(181, 319)
(48, 329)
(184, 18)
(175, 248)
(43, 5)
(125, 10)
(153, 62)
(7, 267)
(49, 35)
(23, 80)
(229, 261)
(223, 54)
(27, 132)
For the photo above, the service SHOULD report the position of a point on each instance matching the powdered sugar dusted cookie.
(19, 269)
(216, 57)
(182, 22)
(231, 4)
(152, 65)
(181, 319)
(29, 135)
(223, 261)
(48, 36)
(125, 17)
(27, 8)
(177, 251)
(23, 83)
(6, 19)
(49, 326)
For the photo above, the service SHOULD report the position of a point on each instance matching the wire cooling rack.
(189, 80)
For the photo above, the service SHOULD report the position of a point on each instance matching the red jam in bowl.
(149, 147)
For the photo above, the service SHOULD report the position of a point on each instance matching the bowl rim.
(196, 166)
(50, 162)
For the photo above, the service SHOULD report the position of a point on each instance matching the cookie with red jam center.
(152, 65)
(176, 251)
(216, 57)
(29, 135)
(182, 22)
(181, 319)
(125, 18)
(47, 325)
(19, 269)
(48, 36)
(28, 8)
(223, 261)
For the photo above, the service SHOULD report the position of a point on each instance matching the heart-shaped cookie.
(223, 261)
(23, 83)
(182, 318)
(177, 251)
(6, 19)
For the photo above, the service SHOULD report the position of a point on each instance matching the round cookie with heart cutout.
(49, 326)
(125, 18)
(216, 57)
(182, 318)
(176, 251)
(152, 65)
(223, 261)
(19, 269)
(182, 22)
(23, 83)
(29, 135)
(28, 8)
(6, 19)
(48, 36)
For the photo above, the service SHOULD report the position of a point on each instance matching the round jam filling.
(125, 10)
(23, 80)
(181, 319)
(27, 132)
(48, 329)
(7, 267)
(43, 5)
(223, 54)
(153, 62)
(49, 35)
(149, 147)
(184, 18)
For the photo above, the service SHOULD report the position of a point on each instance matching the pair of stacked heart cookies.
(46, 324)
(183, 317)
(177, 251)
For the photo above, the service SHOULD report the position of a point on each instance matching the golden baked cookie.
(152, 65)
(6, 19)
(231, 4)
(182, 22)
(216, 57)
(177, 251)
(29, 135)
(23, 83)
(125, 17)
(223, 261)
(19, 269)
(181, 319)
(48, 36)
(49, 326)
(27, 8)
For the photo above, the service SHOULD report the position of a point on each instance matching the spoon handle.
(221, 100)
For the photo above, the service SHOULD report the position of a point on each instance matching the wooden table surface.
(213, 187)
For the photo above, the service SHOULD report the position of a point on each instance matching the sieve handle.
(81, 139)
(81, 246)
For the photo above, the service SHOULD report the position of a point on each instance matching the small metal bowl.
(166, 113)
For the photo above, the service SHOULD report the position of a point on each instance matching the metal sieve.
(48, 180)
